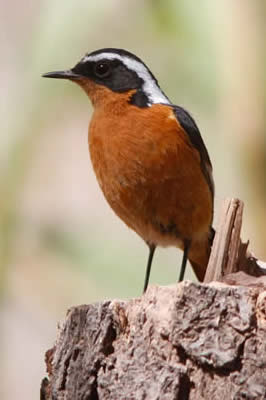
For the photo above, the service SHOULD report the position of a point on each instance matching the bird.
(148, 156)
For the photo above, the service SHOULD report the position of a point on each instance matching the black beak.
(62, 75)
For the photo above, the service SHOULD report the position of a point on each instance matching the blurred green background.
(61, 245)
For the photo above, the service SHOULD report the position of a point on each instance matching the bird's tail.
(199, 254)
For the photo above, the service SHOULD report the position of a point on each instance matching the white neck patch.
(150, 88)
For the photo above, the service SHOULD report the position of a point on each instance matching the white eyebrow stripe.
(154, 93)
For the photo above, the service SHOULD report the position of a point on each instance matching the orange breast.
(149, 173)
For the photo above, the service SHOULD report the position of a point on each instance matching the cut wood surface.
(185, 341)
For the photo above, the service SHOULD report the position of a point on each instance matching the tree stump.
(185, 341)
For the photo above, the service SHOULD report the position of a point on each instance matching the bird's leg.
(184, 261)
(152, 248)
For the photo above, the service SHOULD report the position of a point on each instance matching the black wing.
(191, 129)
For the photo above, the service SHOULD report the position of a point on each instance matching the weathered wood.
(229, 254)
(186, 341)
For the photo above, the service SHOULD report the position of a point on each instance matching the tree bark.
(185, 341)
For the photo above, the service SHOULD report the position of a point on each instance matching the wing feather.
(191, 129)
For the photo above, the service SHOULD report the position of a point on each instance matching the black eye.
(102, 69)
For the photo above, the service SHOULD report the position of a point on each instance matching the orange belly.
(151, 175)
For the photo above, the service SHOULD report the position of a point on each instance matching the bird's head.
(107, 73)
